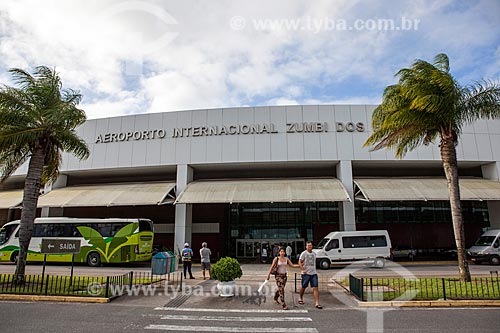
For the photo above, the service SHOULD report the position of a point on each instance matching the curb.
(36, 298)
(430, 304)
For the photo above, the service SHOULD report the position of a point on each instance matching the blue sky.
(130, 57)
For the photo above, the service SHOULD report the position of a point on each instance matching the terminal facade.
(245, 178)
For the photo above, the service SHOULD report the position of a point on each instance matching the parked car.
(402, 252)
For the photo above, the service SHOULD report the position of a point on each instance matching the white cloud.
(148, 56)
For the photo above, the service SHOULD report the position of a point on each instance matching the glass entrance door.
(248, 248)
(253, 248)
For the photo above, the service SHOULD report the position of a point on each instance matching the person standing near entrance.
(307, 263)
(187, 254)
(288, 251)
(281, 262)
(205, 259)
(264, 254)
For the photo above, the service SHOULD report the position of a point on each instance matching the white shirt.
(308, 262)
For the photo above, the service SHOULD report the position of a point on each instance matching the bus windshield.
(6, 232)
(145, 225)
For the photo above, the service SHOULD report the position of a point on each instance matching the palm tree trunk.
(32, 186)
(449, 158)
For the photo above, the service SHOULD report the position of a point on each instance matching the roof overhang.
(423, 189)
(10, 199)
(264, 190)
(124, 194)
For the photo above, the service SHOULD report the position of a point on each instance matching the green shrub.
(226, 269)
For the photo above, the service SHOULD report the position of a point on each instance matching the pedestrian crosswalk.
(234, 320)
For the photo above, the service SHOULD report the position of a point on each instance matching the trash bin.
(169, 262)
(173, 262)
(159, 264)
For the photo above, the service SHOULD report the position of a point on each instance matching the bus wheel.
(94, 259)
(324, 264)
(14, 257)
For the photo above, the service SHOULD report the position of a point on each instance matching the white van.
(346, 247)
(486, 248)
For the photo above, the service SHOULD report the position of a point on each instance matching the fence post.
(444, 289)
(131, 278)
(362, 289)
(47, 285)
(106, 293)
(371, 290)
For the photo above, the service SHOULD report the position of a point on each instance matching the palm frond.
(39, 113)
(22, 78)
(480, 101)
(442, 62)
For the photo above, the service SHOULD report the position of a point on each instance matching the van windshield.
(322, 243)
(485, 241)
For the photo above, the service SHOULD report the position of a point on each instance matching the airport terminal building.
(244, 178)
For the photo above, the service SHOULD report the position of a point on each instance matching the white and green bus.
(112, 240)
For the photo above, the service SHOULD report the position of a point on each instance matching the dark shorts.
(309, 279)
(205, 266)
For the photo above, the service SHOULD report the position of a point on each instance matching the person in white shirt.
(288, 251)
(307, 263)
(205, 259)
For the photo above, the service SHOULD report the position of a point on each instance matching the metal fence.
(395, 289)
(88, 286)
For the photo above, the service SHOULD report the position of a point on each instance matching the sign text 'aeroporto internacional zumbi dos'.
(197, 131)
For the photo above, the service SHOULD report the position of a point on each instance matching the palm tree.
(37, 123)
(428, 103)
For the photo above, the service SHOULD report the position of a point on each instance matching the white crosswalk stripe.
(229, 310)
(230, 329)
(271, 317)
(224, 318)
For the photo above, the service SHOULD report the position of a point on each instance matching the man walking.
(307, 263)
(187, 254)
(205, 259)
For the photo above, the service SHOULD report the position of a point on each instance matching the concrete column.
(183, 212)
(61, 181)
(492, 171)
(346, 208)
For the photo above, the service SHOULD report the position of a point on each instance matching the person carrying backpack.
(186, 255)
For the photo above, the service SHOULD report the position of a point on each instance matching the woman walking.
(280, 263)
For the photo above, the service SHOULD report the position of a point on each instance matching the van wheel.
(495, 260)
(324, 264)
(94, 259)
(379, 263)
(14, 257)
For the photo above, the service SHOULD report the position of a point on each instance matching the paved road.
(129, 315)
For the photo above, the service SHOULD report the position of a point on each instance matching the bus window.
(6, 232)
(40, 230)
(145, 225)
(58, 230)
(104, 229)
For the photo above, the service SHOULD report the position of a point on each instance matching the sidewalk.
(331, 295)
(203, 294)
(247, 296)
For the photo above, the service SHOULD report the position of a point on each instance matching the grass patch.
(389, 289)
(56, 285)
